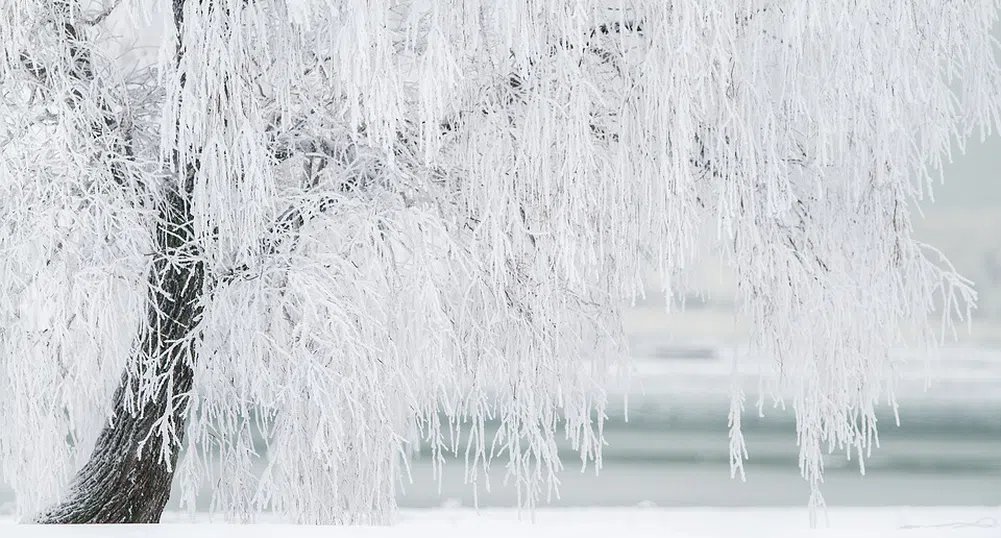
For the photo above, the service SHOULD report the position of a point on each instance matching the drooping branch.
(100, 16)
(129, 474)
(528, 212)
(108, 125)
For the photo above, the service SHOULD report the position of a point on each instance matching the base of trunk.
(128, 476)
(119, 484)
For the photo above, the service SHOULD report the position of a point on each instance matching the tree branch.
(81, 72)
(100, 16)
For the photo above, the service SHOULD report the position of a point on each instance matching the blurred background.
(674, 450)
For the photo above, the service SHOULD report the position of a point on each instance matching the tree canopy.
(415, 216)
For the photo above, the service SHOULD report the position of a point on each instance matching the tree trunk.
(128, 476)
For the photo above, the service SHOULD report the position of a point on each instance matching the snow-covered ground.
(903, 522)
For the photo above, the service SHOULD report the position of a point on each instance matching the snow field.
(903, 522)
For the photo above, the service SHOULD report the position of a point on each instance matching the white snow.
(522, 164)
(904, 522)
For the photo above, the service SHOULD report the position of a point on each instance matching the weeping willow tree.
(358, 225)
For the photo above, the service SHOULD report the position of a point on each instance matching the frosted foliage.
(415, 217)
(72, 264)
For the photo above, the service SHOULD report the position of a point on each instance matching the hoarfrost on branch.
(416, 216)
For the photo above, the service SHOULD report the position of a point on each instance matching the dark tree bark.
(126, 479)
(129, 474)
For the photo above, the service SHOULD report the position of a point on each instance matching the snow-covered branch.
(412, 217)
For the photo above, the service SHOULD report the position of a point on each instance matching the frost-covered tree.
(354, 225)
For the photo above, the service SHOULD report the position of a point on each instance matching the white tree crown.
(418, 216)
